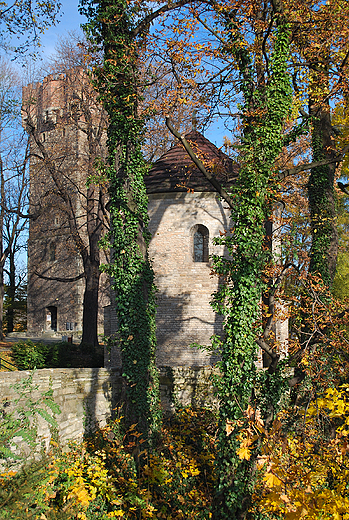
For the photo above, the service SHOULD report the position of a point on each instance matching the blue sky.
(70, 20)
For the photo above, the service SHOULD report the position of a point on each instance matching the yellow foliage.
(99, 479)
(341, 121)
(304, 472)
(244, 453)
(271, 480)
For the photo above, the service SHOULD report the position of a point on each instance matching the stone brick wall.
(184, 314)
(185, 287)
(187, 386)
(85, 396)
(88, 396)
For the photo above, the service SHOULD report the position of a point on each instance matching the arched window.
(200, 243)
(52, 252)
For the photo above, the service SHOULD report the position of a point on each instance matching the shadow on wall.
(188, 386)
(187, 318)
(177, 329)
(179, 386)
(101, 392)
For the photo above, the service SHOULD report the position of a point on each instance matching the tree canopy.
(26, 21)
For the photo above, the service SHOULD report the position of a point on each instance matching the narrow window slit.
(200, 243)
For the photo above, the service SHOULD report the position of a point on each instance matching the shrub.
(28, 355)
(107, 476)
(23, 471)
(18, 419)
(304, 469)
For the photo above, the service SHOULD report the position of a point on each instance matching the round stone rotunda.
(185, 215)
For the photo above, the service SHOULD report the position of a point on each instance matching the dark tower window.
(52, 252)
(200, 243)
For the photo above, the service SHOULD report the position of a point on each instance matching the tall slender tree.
(13, 168)
(262, 43)
(112, 25)
(15, 224)
(121, 29)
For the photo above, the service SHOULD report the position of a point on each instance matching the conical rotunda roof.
(175, 171)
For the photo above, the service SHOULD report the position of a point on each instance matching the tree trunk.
(11, 293)
(90, 305)
(324, 248)
(2, 293)
(2, 253)
(131, 271)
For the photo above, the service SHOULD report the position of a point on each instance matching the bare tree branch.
(310, 166)
(58, 279)
(152, 16)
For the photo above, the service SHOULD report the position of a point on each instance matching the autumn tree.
(121, 30)
(111, 27)
(258, 48)
(15, 227)
(13, 171)
(320, 78)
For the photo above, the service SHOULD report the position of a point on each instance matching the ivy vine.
(264, 115)
(322, 211)
(111, 26)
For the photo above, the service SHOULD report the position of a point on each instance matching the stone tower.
(55, 113)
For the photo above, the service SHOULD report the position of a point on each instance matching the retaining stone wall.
(87, 396)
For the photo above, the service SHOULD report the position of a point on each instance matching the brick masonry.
(52, 105)
(184, 314)
(185, 287)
